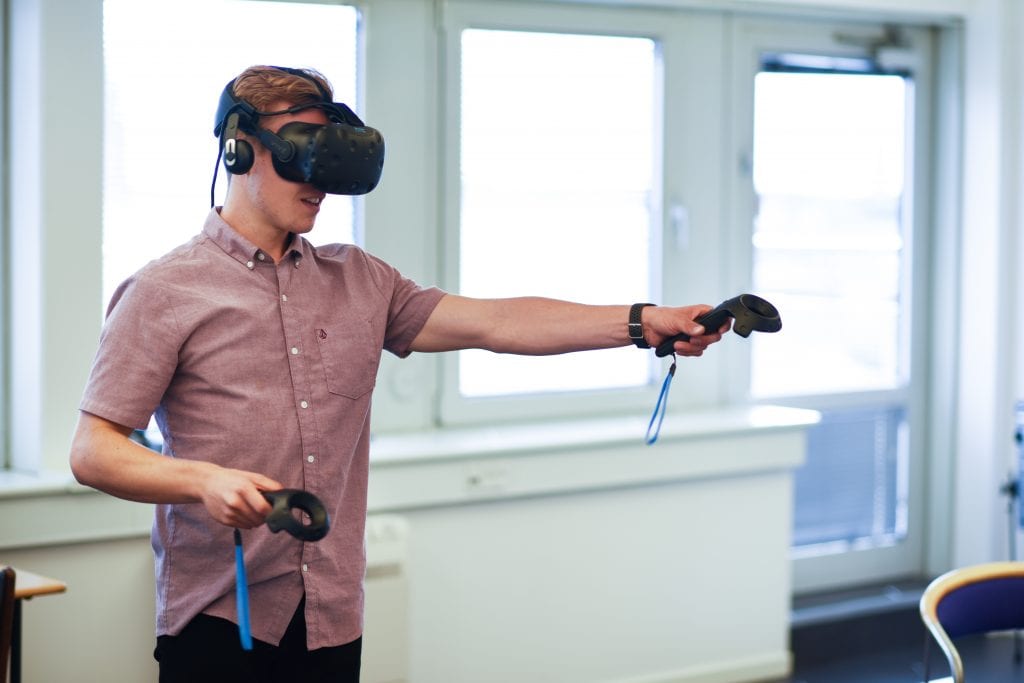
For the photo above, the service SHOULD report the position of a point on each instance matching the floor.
(884, 643)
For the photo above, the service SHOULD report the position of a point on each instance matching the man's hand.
(235, 497)
(661, 322)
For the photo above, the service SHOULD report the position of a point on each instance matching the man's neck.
(270, 240)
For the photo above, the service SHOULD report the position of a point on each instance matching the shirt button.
(305, 567)
(304, 404)
(295, 350)
(260, 256)
(311, 458)
(284, 297)
(250, 265)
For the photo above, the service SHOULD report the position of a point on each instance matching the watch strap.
(636, 329)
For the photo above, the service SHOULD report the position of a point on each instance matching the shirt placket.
(290, 303)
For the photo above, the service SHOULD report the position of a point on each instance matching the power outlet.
(486, 478)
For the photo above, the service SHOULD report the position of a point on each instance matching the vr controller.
(282, 519)
(279, 519)
(750, 312)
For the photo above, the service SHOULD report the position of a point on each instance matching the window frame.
(676, 39)
(5, 223)
(753, 37)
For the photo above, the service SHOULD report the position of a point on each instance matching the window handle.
(679, 224)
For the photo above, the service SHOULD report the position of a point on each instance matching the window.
(852, 491)
(555, 195)
(836, 138)
(552, 186)
(161, 90)
(829, 234)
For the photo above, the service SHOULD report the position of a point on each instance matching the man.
(257, 352)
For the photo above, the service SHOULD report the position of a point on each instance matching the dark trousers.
(209, 650)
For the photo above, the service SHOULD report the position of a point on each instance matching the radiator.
(386, 627)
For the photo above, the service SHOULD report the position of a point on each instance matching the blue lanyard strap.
(242, 594)
(661, 405)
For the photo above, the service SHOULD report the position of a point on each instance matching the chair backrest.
(6, 617)
(976, 599)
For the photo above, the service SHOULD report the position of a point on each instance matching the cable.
(661, 405)
(242, 594)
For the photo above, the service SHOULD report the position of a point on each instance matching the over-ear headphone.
(238, 154)
(234, 114)
(343, 157)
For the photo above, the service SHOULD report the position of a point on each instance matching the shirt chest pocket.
(350, 354)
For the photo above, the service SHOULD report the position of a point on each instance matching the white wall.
(631, 584)
(603, 564)
(102, 628)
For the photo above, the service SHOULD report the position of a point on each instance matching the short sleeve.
(137, 355)
(409, 305)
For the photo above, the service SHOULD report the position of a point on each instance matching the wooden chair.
(972, 600)
(6, 618)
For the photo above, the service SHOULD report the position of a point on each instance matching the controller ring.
(282, 519)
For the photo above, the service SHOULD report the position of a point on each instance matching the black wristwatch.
(636, 330)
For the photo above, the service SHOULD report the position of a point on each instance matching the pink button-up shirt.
(266, 367)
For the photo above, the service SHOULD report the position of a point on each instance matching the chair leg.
(927, 642)
(15, 656)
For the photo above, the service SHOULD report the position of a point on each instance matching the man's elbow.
(81, 464)
(85, 445)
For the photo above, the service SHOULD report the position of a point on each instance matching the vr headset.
(343, 157)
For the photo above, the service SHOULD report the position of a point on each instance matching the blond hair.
(263, 86)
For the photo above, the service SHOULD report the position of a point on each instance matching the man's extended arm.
(539, 326)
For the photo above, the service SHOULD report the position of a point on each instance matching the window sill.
(51, 508)
(459, 466)
(461, 443)
(453, 466)
(26, 485)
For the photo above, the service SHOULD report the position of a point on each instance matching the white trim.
(761, 667)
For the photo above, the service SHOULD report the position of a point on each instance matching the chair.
(977, 599)
(6, 617)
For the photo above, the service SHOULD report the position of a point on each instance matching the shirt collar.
(241, 249)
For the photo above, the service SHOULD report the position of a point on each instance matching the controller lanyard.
(242, 594)
(661, 405)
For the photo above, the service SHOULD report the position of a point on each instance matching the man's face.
(282, 204)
